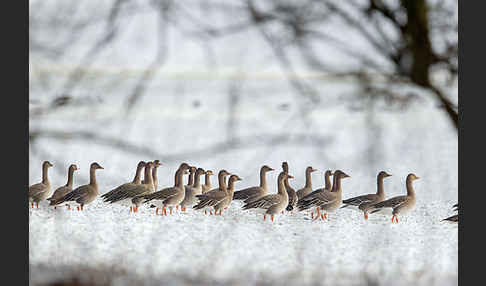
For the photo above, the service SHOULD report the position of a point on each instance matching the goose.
(129, 194)
(207, 182)
(155, 180)
(364, 201)
(307, 189)
(192, 191)
(290, 191)
(214, 196)
(253, 193)
(327, 187)
(171, 196)
(398, 205)
(62, 191)
(136, 181)
(41, 191)
(84, 194)
(225, 203)
(328, 201)
(454, 218)
(274, 203)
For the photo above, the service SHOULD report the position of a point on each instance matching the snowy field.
(239, 247)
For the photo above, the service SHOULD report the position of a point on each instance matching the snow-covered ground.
(240, 247)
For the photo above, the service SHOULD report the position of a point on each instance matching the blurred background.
(359, 85)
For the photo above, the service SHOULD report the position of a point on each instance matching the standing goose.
(192, 191)
(155, 180)
(62, 191)
(224, 204)
(275, 203)
(40, 191)
(85, 194)
(364, 201)
(254, 193)
(171, 196)
(214, 196)
(128, 194)
(400, 204)
(312, 195)
(207, 182)
(307, 189)
(328, 201)
(290, 191)
(136, 181)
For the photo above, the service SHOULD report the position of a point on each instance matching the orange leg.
(205, 212)
(136, 209)
(324, 216)
(366, 216)
(77, 207)
(69, 207)
(156, 211)
(177, 208)
(264, 217)
(210, 212)
(312, 215)
(220, 211)
(32, 205)
(164, 211)
(183, 209)
(37, 205)
(170, 211)
(130, 210)
(271, 217)
(82, 207)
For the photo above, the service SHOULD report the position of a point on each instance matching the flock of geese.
(201, 196)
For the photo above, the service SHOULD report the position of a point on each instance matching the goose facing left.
(41, 191)
(84, 194)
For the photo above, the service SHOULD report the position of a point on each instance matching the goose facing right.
(207, 181)
(41, 191)
(63, 190)
(364, 201)
(84, 194)
(307, 189)
(274, 203)
(400, 204)
(256, 192)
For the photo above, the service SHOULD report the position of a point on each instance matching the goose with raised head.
(397, 205)
(108, 196)
(225, 203)
(84, 194)
(192, 191)
(253, 193)
(63, 190)
(41, 191)
(130, 195)
(364, 201)
(307, 189)
(327, 187)
(274, 203)
(214, 196)
(207, 181)
(290, 191)
(327, 200)
(155, 179)
(171, 196)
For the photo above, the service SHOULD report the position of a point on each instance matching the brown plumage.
(274, 203)
(41, 191)
(84, 194)
(398, 205)
(253, 193)
(207, 182)
(225, 203)
(62, 191)
(364, 201)
(290, 191)
(172, 196)
(307, 189)
(111, 195)
(214, 196)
